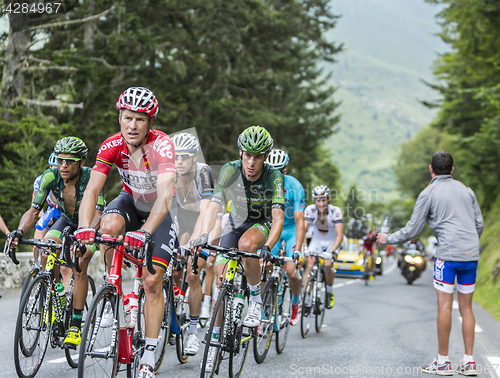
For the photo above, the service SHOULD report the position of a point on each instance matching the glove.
(17, 234)
(296, 255)
(136, 239)
(84, 233)
(200, 242)
(265, 252)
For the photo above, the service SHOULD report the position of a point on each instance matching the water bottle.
(126, 310)
(134, 307)
(239, 305)
(61, 294)
(385, 226)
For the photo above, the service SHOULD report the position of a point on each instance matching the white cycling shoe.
(192, 345)
(254, 315)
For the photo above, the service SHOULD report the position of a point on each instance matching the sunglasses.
(183, 156)
(67, 161)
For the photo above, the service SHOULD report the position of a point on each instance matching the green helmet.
(255, 140)
(71, 145)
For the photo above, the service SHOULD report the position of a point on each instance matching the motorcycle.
(412, 264)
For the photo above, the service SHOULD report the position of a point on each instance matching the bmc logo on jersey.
(109, 145)
(163, 147)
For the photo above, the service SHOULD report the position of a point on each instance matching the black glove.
(200, 242)
(17, 234)
(265, 252)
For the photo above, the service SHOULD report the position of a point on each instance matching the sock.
(207, 300)
(295, 300)
(193, 322)
(215, 333)
(76, 321)
(148, 358)
(255, 293)
(308, 300)
(329, 288)
(467, 359)
(442, 359)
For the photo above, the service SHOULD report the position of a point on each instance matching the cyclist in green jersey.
(67, 182)
(255, 190)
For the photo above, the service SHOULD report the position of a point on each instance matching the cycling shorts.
(288, 236)
(186, 220)
(320, 245)
(58, 227)
(164, 237)
(445, 273)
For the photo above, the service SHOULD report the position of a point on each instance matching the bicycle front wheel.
(264, 331)
(98, 355)
(319, 305)
(307, 309)
(241, 342)
(33, 327)
(72, 354)
(283, 319)
(183, 320)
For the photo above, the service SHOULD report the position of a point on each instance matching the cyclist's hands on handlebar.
(15, 236)
(199, 243)
(299, 259)
(136, 239)
(85, 235)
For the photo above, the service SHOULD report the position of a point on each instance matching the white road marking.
(495, 362)
(477, 328)
(349, 282)
(455, 305)
(391, 268)
(61, 360)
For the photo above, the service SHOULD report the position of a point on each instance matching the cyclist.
(145, 161)
(369, 246)
(293, 227)
(47, 218)
(256, 218)
(194, 190)
(327, 230)
(68, 182)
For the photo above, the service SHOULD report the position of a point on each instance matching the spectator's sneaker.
(296, 310)
(107, 316)
(254, 315)
(468, 368)
(212, 354)
(205, 313)
(73, 338)
(439, 369)
(192, 345)
(146, 371)
(329, 300)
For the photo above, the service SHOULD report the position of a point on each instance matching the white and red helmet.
(138, 99)
(321, 191)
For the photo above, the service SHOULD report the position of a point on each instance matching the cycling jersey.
(249, 200)
(321, 241)
(203, 184)
(52, 182)
(50, 199)
(295, 199)
(139, 181)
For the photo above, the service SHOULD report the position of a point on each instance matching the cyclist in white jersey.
(324, 222)
(194, 189)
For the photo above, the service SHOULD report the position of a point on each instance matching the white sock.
(329, 288)
(467, 359)
(149, 352)
(207, 300)
(215, 333)
(255, 293)
(442, 359)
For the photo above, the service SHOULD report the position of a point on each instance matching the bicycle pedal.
(70, 346)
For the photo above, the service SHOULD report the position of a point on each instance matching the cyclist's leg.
(209, 280)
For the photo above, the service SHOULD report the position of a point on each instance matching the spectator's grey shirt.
(454, 216)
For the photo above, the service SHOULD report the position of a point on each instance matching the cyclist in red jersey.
(145, 161)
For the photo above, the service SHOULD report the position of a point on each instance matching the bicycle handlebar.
(279, 261)
(36, 242)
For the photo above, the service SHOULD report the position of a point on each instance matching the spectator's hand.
(381, 238)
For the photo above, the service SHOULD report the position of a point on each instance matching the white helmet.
(138, 99)
(185, 142)
(278, 159)
(321, 191)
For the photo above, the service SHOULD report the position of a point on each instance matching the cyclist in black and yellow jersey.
(255, 190)
(67, 182)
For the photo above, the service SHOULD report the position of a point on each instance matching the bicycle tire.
(33, 318)
(366, 276)
(31, 274)
(183, 319)
(221, 300)
(284, 316)
(319, 305)
(263, 333)
(72, 354)
(242, 338)
(96, 353)
(307, 311)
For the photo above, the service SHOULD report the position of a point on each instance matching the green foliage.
(354, 203)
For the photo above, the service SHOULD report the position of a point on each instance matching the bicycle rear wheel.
(264, 331)
(72, 354)
(307, 309)
(33, 327)
(221, 304)
(283, 319)
(98, 355)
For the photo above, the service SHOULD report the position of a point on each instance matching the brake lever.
(150, 245)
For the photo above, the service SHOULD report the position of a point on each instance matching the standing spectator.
(453, 214)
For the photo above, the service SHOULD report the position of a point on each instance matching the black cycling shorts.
(233, 232)
(164, 237)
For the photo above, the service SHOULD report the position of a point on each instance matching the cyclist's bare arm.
(28, 219)
(204, 204)
(276, 228)
(339, 230)
(87, 211)
(161, 207)
(3, 227)
(96, 221)
(300, 230)
(306, 227)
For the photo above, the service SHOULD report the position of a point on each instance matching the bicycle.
(276, 308)
(313, 297)
(203, 321)
(105, 347)
(41, 316)
(367, 266)
(234, 338)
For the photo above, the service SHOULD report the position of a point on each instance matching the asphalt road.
(387, 329)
